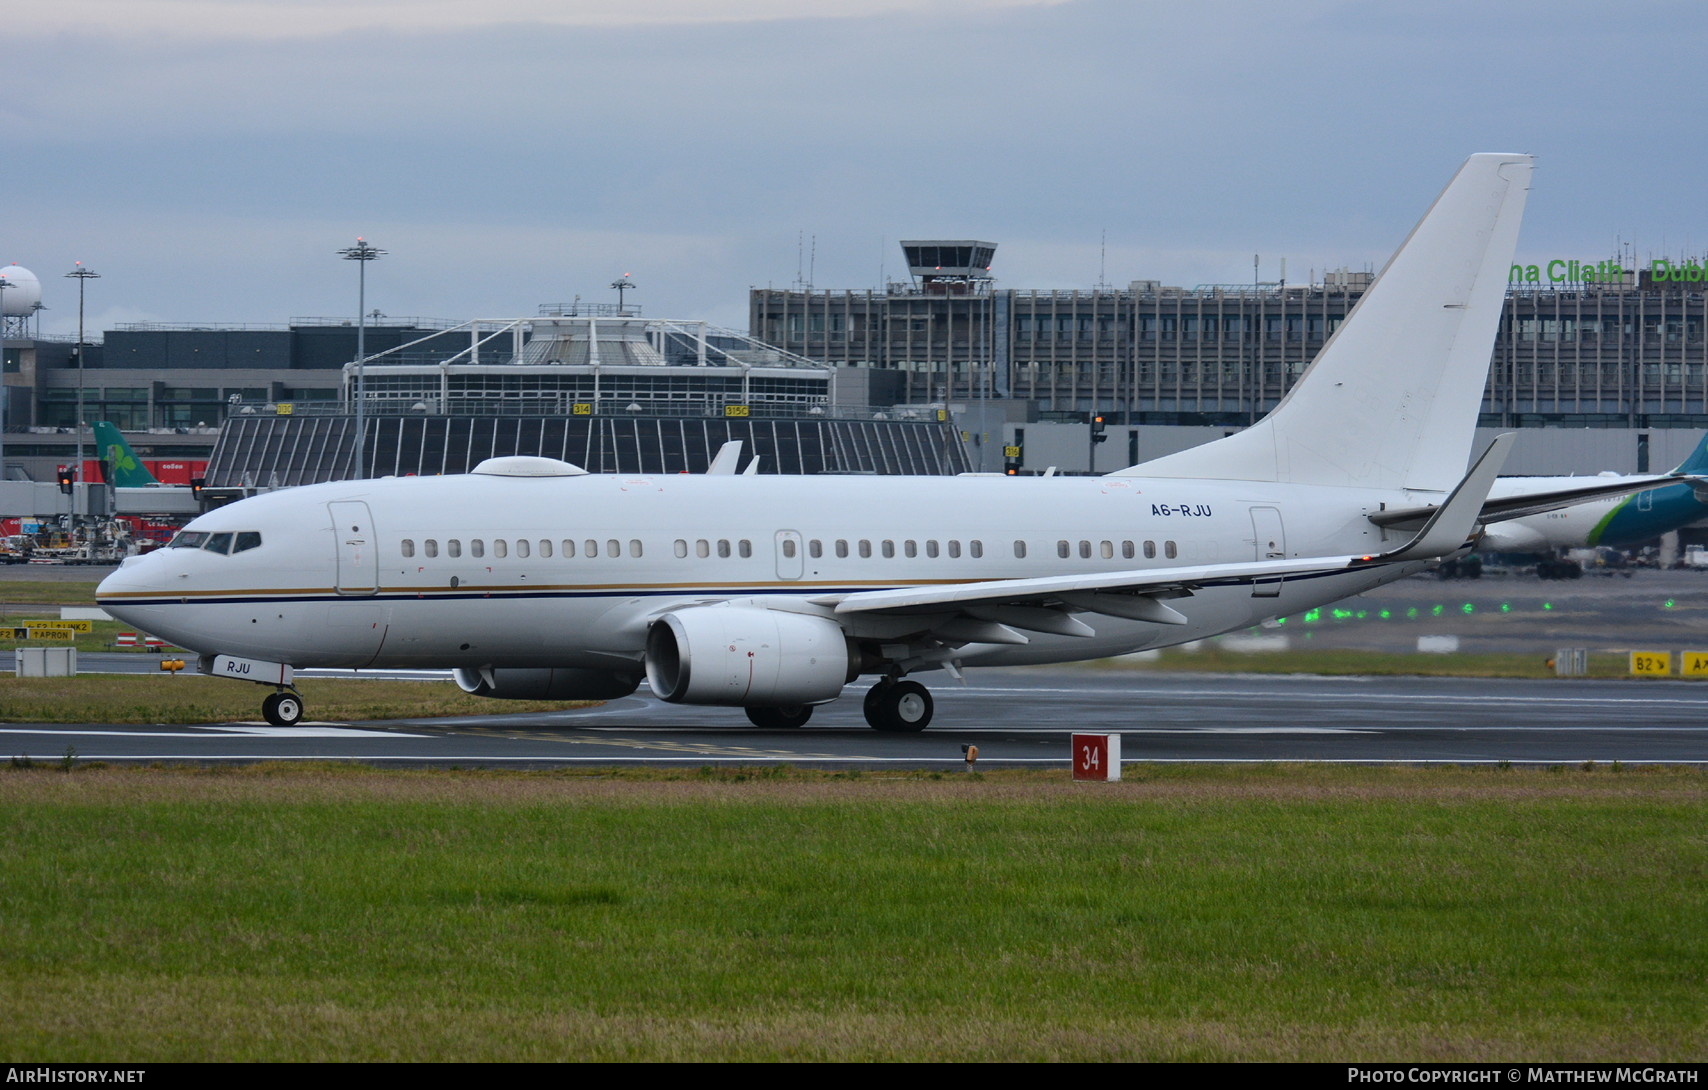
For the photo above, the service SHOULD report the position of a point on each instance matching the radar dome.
(23, 291)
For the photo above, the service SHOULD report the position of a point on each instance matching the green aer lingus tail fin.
(124, 468)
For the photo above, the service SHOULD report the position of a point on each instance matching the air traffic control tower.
(949, 266)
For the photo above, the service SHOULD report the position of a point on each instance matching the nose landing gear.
(283, 708)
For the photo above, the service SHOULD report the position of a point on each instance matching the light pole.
(362, 253)
(82, 276)
(622, 284)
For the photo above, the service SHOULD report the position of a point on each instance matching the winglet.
(1453, 522)
(728, 457)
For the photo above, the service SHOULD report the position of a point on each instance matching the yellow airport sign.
(283, 408)
(736, 410)
(581, 408)
(1693, 663)
(70, 626)
(50, 635)
(1651, 663)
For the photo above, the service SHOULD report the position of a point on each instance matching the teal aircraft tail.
(123, 468)
(1649, 514)
(1697, 463)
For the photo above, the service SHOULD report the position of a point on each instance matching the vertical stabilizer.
(123, 468)
(1391, 401)
(1697, 464)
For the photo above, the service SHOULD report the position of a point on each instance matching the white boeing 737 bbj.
(534, 579)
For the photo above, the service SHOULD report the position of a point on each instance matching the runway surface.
(1023, 717)
(1015, 718)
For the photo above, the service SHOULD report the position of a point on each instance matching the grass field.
(1286, 912)
(16, 594)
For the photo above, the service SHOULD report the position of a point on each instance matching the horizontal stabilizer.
(1503, 508)
(1456, 520)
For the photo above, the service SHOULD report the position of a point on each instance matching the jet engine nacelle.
(1510, 537)
(748, 657)
(553, 684)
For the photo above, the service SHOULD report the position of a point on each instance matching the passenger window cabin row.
(724, 548)
(501, 548)
(1105, 550)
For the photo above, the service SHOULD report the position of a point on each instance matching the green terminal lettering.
(1560, 271)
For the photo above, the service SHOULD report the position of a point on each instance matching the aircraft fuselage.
(478, 571)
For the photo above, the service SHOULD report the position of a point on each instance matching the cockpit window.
(222, 543)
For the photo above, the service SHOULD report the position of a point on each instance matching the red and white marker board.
(1097, 757)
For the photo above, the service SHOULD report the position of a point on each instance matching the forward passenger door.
(358, 551)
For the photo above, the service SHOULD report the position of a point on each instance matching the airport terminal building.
(597, 385)
(1629, 355)
(940, 373)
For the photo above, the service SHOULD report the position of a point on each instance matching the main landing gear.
(283, 708)
(781, 716)
(891, 705)
(898, 706)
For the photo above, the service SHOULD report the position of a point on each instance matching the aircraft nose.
(134, 578)
(131, 575)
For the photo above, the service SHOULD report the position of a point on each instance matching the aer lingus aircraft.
(136, 491)
(535, 579)
(1665, 504)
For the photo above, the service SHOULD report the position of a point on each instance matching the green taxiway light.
(1467, 608)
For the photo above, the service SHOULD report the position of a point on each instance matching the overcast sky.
(208, 157)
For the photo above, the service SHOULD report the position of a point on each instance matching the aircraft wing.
(1139, 590)
(1502, 508)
